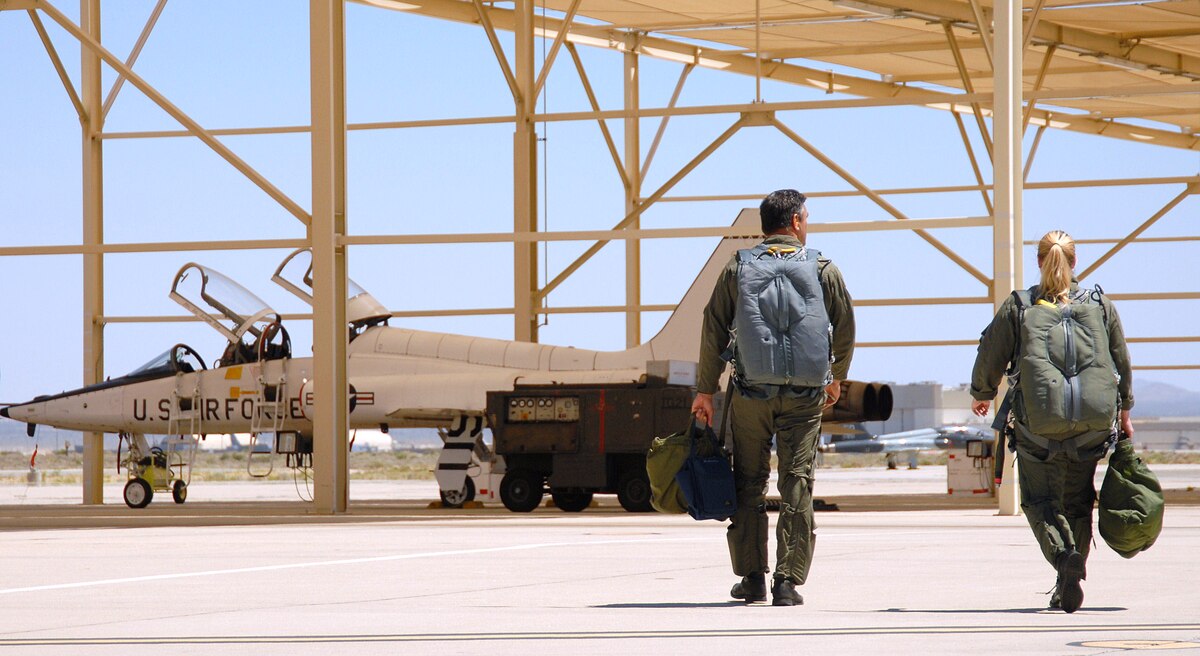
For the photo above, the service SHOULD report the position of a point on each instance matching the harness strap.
(1069, 446)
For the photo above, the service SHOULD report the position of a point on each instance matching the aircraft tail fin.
(679, 338)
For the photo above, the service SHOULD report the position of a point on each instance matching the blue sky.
(234, 64)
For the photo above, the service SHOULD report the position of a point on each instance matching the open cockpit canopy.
(254, 330)
(220, 302)
(295, 275)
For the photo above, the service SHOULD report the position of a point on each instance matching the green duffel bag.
(1131, 503)
(663, 461)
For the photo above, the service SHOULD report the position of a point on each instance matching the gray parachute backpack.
(782, 330)
(1067, 379)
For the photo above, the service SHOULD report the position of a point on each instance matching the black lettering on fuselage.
(139, 409)
(229, 404)
(164, 409)
(294, 409)
(247, 409)
(211, 408)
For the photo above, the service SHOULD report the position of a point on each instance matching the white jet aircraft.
(908, 443)
(398, 377)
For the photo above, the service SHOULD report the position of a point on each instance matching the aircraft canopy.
(220, 302)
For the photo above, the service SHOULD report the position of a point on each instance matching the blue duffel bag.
(706, 478)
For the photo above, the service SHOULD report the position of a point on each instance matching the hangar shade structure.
(1116, 70)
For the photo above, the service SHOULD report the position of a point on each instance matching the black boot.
(784, 593)
(1070, 571)
(752, 588)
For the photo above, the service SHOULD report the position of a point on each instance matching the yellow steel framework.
(1085, 67)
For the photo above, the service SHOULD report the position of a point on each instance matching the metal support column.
(1007, 180)
(633, 192)
(331, 405)
(525, 210)
(93, 234)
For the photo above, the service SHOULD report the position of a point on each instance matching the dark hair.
(777, 209)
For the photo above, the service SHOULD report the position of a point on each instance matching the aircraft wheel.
(633, 490)
(456, 498)
(521, 490)
(571, 500)
(179, 491)
(138, 493)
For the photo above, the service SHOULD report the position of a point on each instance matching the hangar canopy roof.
(1096, 66)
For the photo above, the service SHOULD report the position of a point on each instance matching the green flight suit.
(1057, 493)
(791, 415)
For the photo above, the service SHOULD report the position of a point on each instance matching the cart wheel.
(456, 498)
(179, 491)
(633, 491)
(138, 493)
(571, 500)
(521, 490)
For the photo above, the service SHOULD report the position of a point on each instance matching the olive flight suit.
(791, 414)
(1057, 492)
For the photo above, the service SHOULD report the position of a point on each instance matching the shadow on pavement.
(679, 604)
(1107, 609)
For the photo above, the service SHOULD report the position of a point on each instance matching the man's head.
(783, 212)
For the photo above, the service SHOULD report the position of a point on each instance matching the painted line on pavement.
(592, 635)
(342, 561)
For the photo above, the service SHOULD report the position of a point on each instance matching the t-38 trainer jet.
(398, 377)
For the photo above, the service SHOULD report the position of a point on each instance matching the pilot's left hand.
(980, 408)
(833, 392)
(702, 408)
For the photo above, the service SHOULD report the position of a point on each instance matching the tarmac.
(246, 568)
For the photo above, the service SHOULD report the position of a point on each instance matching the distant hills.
(1154, 399)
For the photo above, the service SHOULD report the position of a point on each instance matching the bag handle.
(698, 432)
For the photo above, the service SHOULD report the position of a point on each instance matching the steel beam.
(525, 209)
(502, 59)
(660, 307)
(548, 62)
(886, 48)
(134, 54)
(1191, 189)
(1033, 149)
(1037, 85)
(604, 131)
(879, 200)
(157, 98)
(93, 233)
(966, 139)
(1062, 184)
(633, 173)
(931, 99)
(662, 125)
(983, 25)
(58, 65)
(642, 206)
(1007, 190)
(968, 86)
(331, 406)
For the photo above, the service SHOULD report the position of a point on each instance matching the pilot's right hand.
(980, 408)
(702, 408)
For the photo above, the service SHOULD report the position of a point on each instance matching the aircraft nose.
(4, 411)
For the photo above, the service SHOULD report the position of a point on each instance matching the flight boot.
(783, 593)
(752, 588)
(1070, 572)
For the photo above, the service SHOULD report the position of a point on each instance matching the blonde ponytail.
(1056, 256)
